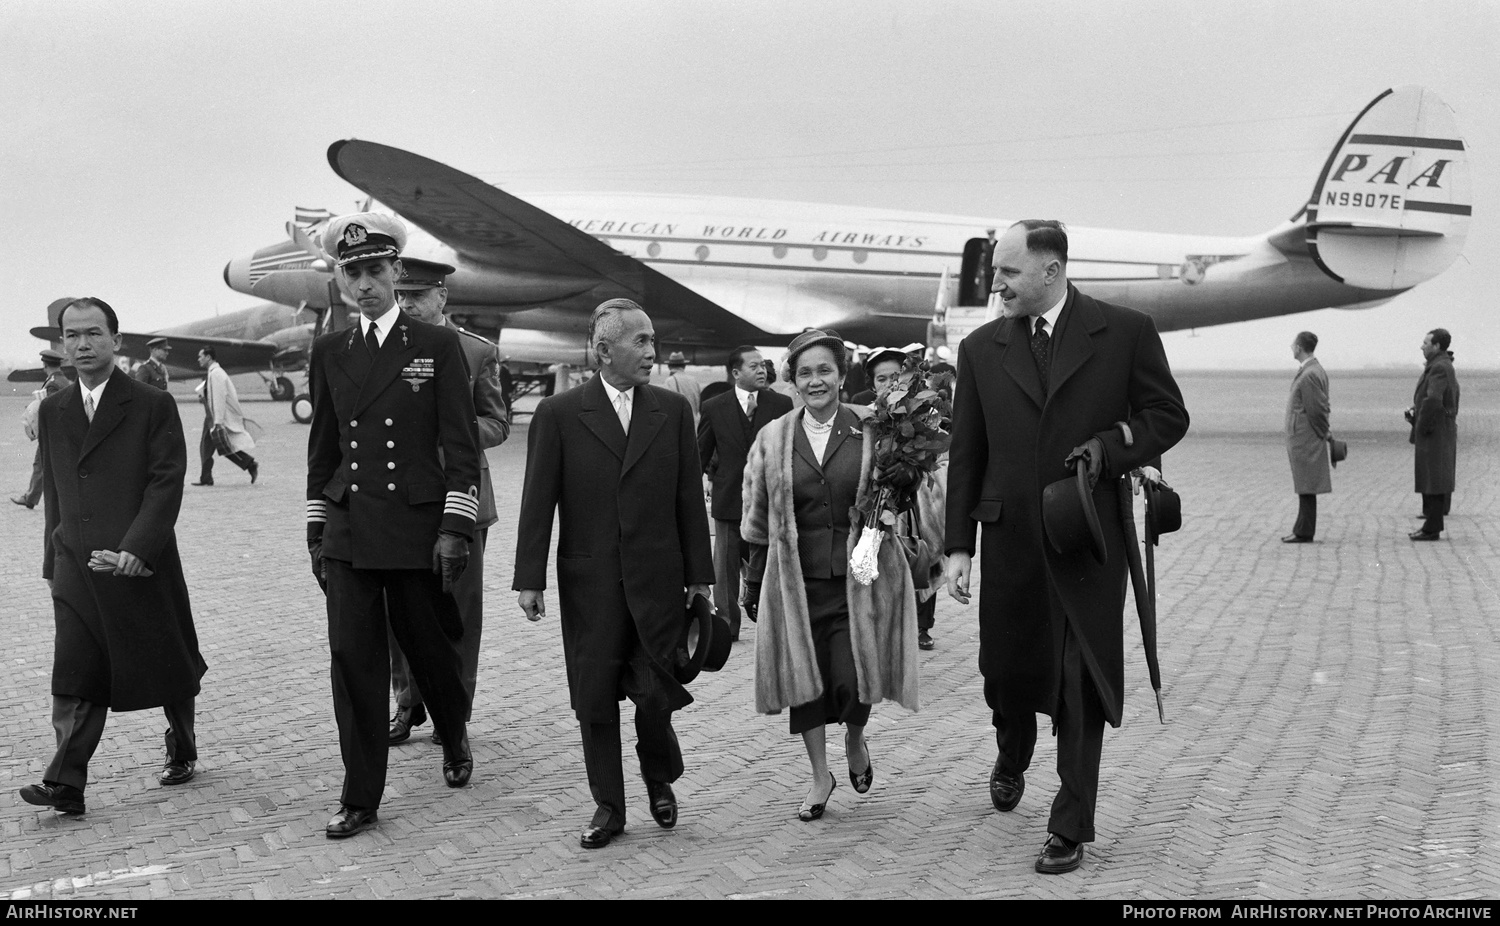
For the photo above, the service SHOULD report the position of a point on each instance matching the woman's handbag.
(919, 553)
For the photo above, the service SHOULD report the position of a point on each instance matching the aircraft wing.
(235, 355)
(492, 227)
(33, 375)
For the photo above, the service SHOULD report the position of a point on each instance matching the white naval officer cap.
(363, 236)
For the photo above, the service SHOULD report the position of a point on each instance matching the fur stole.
(882, 616)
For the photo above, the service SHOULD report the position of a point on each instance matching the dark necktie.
(1041, 349)
(750, 408)
(372, 340)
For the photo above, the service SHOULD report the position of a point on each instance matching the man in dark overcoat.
(614, 458)
(1091, 385)
(421, 292)
(392, 494)
(726, 430)
(1434, 432)
(113, 464)
(1307, 437)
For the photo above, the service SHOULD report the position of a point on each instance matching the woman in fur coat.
(826, 646)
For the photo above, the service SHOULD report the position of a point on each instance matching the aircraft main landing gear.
(282, 389)
(302, 408)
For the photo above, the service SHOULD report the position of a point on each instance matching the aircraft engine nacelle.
(528, 345)
(1392, 207)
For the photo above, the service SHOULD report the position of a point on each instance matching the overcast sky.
(145, 144)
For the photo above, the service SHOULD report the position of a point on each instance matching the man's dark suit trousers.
(358, 601)
(1080, 744)
(656, 744)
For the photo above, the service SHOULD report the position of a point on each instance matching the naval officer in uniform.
(422, 293)
(392, 494)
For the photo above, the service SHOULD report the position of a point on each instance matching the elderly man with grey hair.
(614, 460)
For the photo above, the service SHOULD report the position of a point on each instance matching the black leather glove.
(1092, 453)
(450, 556)
(319, 565)
(751, 607)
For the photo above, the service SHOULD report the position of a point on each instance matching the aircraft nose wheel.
(302, 409)
(282, 389)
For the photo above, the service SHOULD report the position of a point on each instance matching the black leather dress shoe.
(663, 803)
(204, 482)
(1293, 538)
(597, 837)
(177, 773)
(254, 472)
(1424, 535)
(924, 641)
(61, 798)
(458, 763)
(1006, 789)
(405, 719)
(350, 820)
(1059, 855)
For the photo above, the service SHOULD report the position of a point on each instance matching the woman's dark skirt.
(828, 613)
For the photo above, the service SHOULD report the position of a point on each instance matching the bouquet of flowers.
(910, 431)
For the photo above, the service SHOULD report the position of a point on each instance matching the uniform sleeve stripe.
(463, 505)
(317, 510)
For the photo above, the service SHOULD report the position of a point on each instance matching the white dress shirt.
(615, 395)
(383, 324)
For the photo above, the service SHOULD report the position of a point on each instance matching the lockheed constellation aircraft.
(1390, 209)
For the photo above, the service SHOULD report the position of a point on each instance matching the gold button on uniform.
(391, 465)
(354, 445)
(391, 486)
(354, 466)
(389, 422)
(353, 423)
(390, 443)
(354, 488)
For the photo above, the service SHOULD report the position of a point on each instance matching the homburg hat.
(705, 641)
(1069, 516)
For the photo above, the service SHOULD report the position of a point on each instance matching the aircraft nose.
(237, 275)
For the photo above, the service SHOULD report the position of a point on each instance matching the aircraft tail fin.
(1392, 205)
(54, 311)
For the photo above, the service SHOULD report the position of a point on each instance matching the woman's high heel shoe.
(810, 812)
(862, 780)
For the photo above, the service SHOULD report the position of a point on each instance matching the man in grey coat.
(1307, 437)
(1434, 431)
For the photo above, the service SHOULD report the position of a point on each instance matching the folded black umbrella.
(1143, 581)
